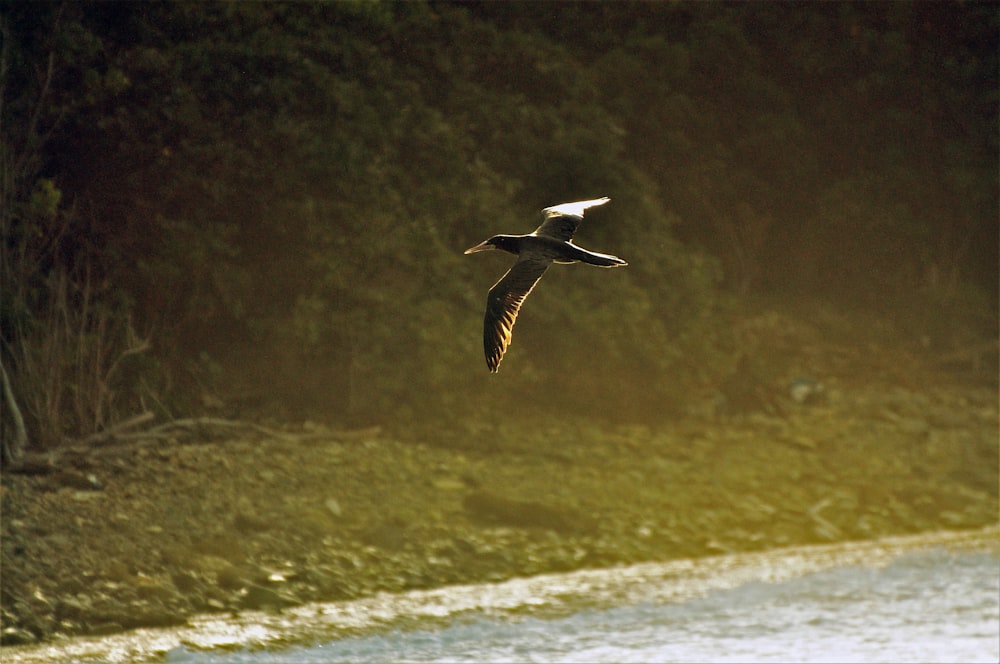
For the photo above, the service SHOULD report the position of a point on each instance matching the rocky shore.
(130, 535)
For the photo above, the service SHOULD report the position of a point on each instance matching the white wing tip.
(575, 209)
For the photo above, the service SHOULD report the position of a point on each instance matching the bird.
(552, 242)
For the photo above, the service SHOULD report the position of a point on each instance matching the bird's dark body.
(549, 243)
(535, 247)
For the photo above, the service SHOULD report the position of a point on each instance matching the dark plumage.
(549, 243)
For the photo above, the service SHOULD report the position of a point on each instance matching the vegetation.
(262, 206)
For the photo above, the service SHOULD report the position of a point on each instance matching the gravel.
(130, 535)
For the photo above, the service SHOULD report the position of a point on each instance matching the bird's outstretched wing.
(503, 303)
(561, 221)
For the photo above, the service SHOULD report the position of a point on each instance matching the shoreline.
(545, 596)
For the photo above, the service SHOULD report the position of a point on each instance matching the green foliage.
(285, 188)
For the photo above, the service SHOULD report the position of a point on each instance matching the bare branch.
(12, 449)
(113, 432)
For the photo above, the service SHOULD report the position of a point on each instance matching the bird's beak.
(482, 246)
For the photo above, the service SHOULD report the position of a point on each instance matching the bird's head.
(483, 246)
(504, 242)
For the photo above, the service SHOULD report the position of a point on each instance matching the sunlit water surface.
(928, 606)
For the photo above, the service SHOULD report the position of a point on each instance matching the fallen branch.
(192, 425)
(114, 432)
(119, 436)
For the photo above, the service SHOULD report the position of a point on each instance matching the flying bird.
(552, 242)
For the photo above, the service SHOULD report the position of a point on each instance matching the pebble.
(334, 507)
(147, 588)
(261, 598)
(15, 636)
(249, 524)
(185, 581)
(913, 426)
(105, 629)
(804, 442)
(953, 519)
(231, 577)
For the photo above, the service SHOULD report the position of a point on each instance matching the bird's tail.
(605, 260)
(594, 258)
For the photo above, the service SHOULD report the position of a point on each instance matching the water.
(930, 606)
(931, 597)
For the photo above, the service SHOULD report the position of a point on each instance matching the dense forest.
(260, 208)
